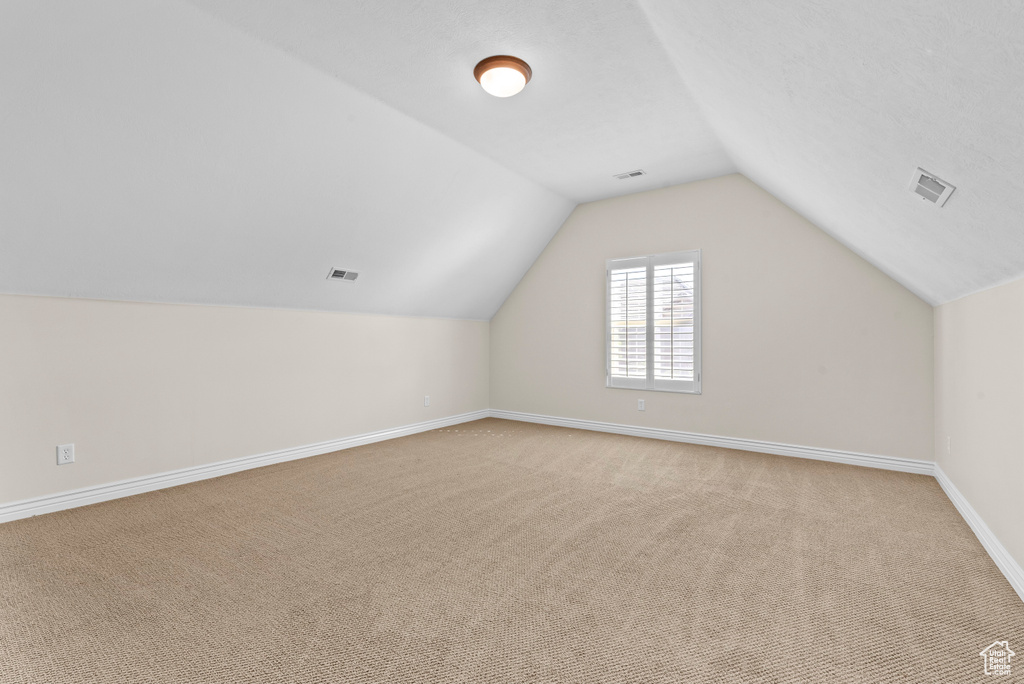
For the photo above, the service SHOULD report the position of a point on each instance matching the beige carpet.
(509, 552)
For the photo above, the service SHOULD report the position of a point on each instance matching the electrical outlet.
(65, 454)
(640, 405)
(426, 400)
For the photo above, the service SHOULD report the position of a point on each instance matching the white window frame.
(650, 383)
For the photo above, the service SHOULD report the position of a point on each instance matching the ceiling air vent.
(630, 174)
(339, 274)
(931, 188)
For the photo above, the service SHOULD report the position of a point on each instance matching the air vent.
(339, 274)
(630, 174)
(931, 188)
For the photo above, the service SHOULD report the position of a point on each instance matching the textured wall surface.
(804, 342)
(979, 406)
(142, 389)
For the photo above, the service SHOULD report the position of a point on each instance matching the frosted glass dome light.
(502, 75)
(502, 81)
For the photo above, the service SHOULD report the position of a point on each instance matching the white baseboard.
(905, 465)
(148, 483)
(115, 490)
(1002, 558)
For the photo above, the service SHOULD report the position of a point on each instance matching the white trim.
(115, 490)
(650, 265)
(148, 483)
(1002, 558)
(904, 465)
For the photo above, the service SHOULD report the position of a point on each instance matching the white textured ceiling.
(830, 106)
(231, 151)
(604, 99)
(151, 153)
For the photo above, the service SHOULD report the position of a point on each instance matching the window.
(654, 322)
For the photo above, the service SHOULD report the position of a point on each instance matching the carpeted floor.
(509, 552)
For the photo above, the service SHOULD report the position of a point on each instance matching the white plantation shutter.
(654, 322)
(627, 319)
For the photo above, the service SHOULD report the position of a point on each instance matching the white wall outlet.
(426, 400)
(640, 405)
(65, 454)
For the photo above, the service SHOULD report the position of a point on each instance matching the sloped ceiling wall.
(231, 152)
(604, 99)
(831, 106)
(151, 153)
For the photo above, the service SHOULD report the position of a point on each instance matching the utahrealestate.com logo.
(997, 658)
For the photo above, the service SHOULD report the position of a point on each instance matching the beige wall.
(146, 388)
(979, 406)
(804, 342)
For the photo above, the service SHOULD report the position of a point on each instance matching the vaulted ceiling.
(232, 151)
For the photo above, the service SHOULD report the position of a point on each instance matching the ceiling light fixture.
(503, 75)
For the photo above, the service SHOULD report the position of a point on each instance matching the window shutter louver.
(629, 323)
(654, 322)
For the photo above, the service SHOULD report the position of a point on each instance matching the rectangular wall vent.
(630, 174)
(340, 274)
(930, 187)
